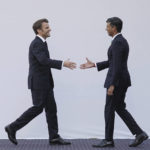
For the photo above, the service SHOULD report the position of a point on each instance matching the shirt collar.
(115, 36)
(41, 38)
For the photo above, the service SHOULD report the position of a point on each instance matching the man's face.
(110, 29)
(45, 30)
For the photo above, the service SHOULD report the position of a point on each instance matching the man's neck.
(115, 35)
(41, 37)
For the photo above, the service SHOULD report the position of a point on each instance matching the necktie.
(45, 44)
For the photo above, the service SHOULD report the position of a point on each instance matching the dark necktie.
(45, 44)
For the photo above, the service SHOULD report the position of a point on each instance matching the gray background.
(78, 31)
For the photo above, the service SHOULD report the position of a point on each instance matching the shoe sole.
(9, 136)
(141, 141)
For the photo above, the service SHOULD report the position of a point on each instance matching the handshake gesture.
(72, 65)
(88, 64)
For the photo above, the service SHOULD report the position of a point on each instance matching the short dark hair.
(38, 24)
(115, 21)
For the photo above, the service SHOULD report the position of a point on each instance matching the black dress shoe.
(104, 143)
(11, 134)
(139, 139)
(59, 141)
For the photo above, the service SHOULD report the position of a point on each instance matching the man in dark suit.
(41, 83)
(117, 83)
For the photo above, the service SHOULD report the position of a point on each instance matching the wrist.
(94, 65)
(64, 64)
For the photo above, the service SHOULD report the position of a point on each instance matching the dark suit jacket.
(118, 74)
(40, 64)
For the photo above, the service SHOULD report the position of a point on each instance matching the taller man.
(117, 83)
(41, 83)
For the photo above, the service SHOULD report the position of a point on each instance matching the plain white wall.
(78, 31)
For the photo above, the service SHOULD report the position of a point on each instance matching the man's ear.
(39, 30)
(115, 28)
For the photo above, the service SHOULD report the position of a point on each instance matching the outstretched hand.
(69, 64)
(88, 64)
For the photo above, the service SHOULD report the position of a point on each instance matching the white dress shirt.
(44, 40)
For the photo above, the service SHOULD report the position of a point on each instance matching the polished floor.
(77, 144)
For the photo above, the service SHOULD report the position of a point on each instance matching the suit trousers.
(116, 103)
(42, 99)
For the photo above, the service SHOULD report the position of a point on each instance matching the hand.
(88, 64)
(69, 64)
(110, 90)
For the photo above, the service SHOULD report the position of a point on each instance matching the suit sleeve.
(40, 55)
(102, 65)
(117, 51)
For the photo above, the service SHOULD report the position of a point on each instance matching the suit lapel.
(45, 46)
(110, 50)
